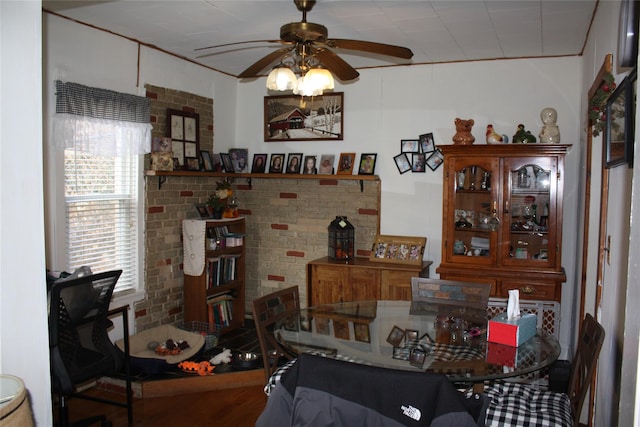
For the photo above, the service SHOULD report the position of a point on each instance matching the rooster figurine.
(493, 137)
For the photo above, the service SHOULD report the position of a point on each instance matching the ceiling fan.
(308, 43)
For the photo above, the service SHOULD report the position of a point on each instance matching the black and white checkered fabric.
(79, 100)
(522, 405)
(274, 379)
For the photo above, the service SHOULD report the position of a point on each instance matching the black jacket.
(319, 391)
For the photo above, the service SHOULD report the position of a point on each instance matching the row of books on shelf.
(221, 309)
(222, 270)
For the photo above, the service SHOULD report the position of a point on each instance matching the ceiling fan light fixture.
(320, 78)
(281, 78)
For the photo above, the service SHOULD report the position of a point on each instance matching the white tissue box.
(512, 332)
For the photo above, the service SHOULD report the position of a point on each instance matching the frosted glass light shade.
(281, 78)
(304, 88)
(320, 78)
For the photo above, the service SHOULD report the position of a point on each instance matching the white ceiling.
(436, 31)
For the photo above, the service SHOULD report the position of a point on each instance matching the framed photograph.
(294, 163)
(277, 162)
(345, 163)
(401, 353)
(341, 329)
(216, 161)
(435, 160)
(426, 143)
(326, 164)
(402, 163)
(398, 249)
(176, 163)
(294, 118)
(417, 356)
(411, 334)
(193, 163)
(310, 165)
(619, 131)
(395, 336)
(239, 159)
(367, 164)
(409, 146)
(417, 162)
(259, 163)
(361, 332)
(183, 129)
(207, 164)
(202, 210)
(227, 165)
(322, 325)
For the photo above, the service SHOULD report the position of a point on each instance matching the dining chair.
(267, 310)
(79, 345)
(450, 292)
(514, 404)
(325, 391)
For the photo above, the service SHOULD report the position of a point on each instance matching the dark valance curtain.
(100, 121)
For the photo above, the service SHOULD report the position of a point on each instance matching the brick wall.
(286, 221)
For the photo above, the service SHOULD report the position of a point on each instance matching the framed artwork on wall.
(296, 118)
(183, 129)
(619, 129)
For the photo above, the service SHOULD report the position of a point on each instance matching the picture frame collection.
(237, 161)
(418, 154)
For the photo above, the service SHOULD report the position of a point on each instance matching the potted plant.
(218, 200)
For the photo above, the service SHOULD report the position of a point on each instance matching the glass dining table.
(415, 336)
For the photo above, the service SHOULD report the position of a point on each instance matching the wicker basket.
(210, 331)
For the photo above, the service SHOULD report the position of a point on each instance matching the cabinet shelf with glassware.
(502, 217)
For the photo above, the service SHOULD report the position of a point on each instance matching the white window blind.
(101, 204)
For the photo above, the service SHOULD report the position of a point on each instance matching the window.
(100, 137)
(101, 214)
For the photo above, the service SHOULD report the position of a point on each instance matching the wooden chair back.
(584, 364)
(450, 292)
(267, 310)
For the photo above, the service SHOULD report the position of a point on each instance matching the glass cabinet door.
(529, 212)
(474, 184)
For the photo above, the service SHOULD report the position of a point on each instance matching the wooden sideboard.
(331, 281)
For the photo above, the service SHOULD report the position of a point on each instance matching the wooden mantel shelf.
(249, 176)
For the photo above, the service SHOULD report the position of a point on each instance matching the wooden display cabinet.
(222, 283)
(502, 217)
(331, 281)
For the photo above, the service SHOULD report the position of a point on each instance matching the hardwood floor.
(230, 407)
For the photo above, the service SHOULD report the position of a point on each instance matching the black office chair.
(77, 306)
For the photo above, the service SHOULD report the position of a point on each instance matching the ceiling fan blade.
(262, 63)
(378, 48)
(335, 64)
(235, 43)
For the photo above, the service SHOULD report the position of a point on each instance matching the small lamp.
(341, 239)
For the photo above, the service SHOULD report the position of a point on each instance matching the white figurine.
(550, 132)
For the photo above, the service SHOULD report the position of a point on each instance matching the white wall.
(23, 309)
(387, 105)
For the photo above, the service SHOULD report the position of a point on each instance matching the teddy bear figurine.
(463, 134)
